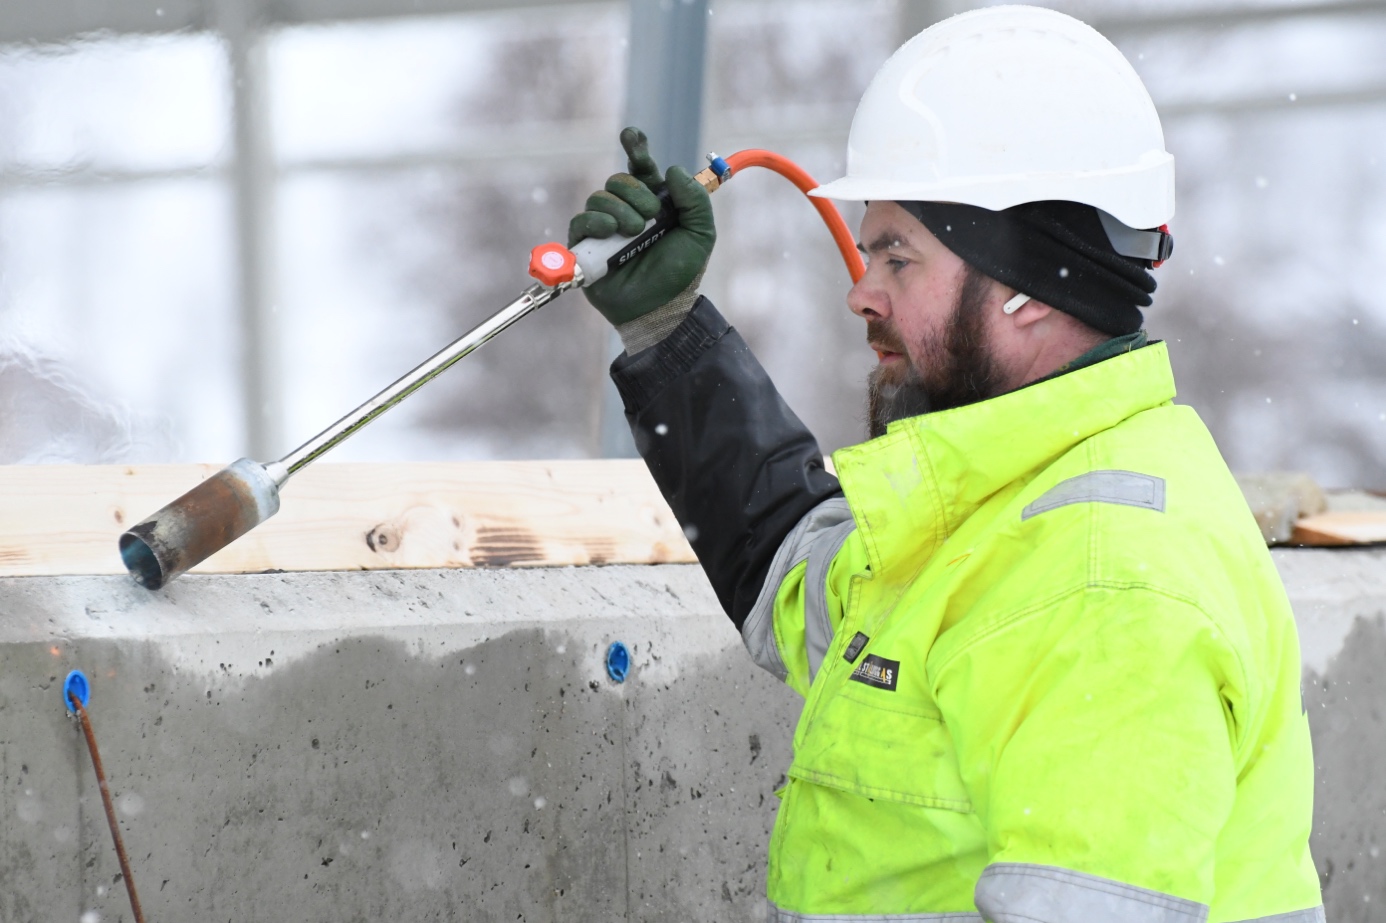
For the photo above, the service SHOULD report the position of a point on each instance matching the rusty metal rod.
(110, 807)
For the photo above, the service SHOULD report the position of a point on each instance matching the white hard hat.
(1006, 105)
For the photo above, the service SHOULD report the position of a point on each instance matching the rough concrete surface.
(1340, 604)
(446, 745)
(434, 745)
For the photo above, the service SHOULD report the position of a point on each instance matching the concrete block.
(446, 745)
(708, 752)
(1339, 597)
(436, 745)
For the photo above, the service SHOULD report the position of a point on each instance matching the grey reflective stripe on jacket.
(1017, 892)
(1125, 488)
(788, 916)
(1115, 901)
(816, 539)
(1312, 915)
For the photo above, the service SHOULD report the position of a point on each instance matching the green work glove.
(663, 280)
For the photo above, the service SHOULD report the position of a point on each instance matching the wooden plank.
(1343, 527)
(65, 519)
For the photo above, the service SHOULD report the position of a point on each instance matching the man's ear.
(1027, 312)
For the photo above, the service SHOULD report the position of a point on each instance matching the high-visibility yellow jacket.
(1050, 673)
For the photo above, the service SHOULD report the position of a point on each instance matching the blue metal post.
(664, 97)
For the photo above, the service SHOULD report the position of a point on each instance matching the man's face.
(926, 315)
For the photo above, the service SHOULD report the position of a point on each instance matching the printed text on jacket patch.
(878, 672)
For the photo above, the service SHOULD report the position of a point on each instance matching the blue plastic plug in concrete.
(617, 661)
(76, 684)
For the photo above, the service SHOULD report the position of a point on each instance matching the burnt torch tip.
(200, 523)
(141, 561)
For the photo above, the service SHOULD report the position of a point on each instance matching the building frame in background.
(668, 43)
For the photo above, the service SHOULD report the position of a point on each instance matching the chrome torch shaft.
(533, 298)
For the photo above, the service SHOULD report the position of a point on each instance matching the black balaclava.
(1055, 252)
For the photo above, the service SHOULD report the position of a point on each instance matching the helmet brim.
(1109, 190)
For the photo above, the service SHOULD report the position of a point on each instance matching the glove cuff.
(651, 328)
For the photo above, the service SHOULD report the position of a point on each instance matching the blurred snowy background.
(216, 236)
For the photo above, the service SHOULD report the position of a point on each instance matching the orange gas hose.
(842, 235)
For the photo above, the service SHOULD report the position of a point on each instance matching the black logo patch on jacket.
(878, 672)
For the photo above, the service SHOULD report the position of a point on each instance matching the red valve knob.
(552, 264)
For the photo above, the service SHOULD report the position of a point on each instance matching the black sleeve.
(736, 465)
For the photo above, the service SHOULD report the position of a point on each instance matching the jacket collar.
(913, 487)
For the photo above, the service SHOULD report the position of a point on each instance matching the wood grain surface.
(65, 519)
(1345, 527)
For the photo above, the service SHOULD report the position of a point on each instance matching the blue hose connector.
(617, 662)
(76, 685)
(719, 166)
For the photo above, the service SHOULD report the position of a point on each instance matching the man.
(1049, 671)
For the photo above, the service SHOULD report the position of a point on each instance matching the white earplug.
(1015, 303)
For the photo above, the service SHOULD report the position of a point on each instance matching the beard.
(956, 365)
